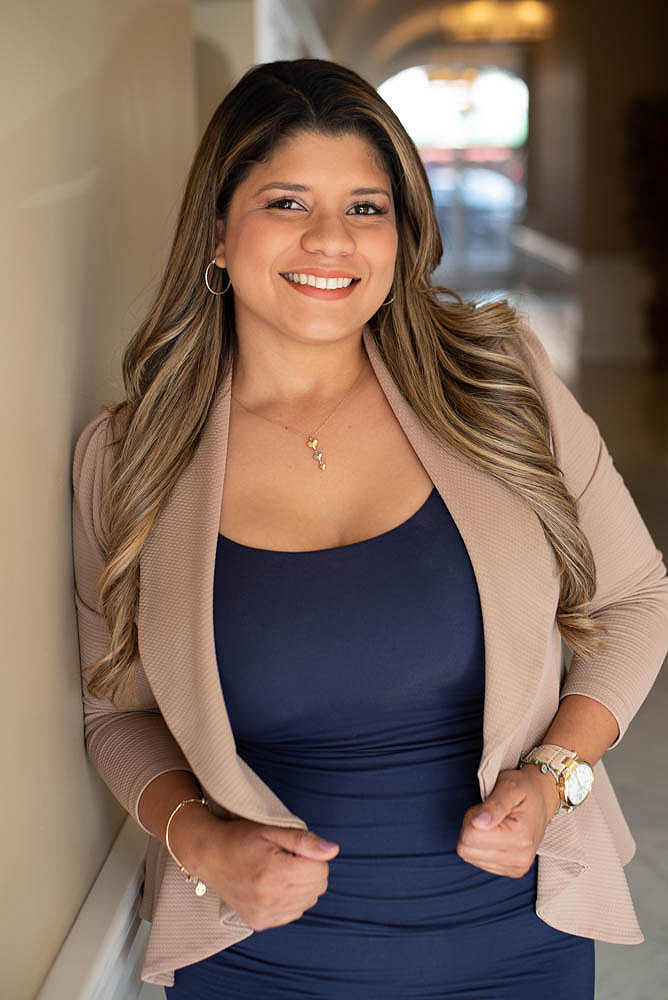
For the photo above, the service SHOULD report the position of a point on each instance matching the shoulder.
(96, 438)
(91, 440)
(89, 451)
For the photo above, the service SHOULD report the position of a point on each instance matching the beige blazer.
(182, 720)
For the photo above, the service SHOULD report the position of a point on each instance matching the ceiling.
(381, 37)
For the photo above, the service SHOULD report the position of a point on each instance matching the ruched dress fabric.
(354, 683)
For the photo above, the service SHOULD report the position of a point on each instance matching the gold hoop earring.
(206, 280)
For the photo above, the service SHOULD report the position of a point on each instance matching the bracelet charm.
(191, 879)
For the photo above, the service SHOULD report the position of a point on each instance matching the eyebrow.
(283, 186)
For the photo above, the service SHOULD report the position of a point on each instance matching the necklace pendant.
(313, 443)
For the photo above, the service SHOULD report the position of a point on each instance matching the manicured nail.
(483, 818)
(326, 845)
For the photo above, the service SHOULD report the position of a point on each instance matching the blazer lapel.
(514, 565)
(175, 628)
(515, 569)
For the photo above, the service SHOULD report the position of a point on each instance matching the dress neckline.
(230, 543)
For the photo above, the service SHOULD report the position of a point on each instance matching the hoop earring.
(206, 280)
(388, 302)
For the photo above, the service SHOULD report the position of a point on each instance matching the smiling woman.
(321, 232)
(366, 648)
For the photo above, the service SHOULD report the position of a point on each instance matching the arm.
(581, 724)
(631, 594)
(599, 696)
(192, 827)
(585, 725)
(129, 747)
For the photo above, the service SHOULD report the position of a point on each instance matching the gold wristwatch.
(574, 777)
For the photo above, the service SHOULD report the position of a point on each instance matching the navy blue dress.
(354, 681)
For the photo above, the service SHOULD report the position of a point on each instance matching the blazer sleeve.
(631, 594)
(129, 747)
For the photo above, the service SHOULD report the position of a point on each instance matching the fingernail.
(483, 818)
(326, 845)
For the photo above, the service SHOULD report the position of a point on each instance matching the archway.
(470, 125)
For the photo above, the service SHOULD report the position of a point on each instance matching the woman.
(326, 674)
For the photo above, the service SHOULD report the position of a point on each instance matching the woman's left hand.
(518, 810)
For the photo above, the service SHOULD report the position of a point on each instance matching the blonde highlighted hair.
(448, 358)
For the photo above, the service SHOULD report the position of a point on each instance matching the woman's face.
(319, 207)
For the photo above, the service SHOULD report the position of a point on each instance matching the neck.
(292, 377)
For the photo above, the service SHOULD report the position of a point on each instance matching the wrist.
(548, 786)
(189, 833)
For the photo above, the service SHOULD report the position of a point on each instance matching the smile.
(315, 286)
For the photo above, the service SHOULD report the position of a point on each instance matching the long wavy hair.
(446, 356)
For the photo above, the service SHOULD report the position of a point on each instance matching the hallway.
(562, 209)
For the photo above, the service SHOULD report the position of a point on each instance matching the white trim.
(102, 955)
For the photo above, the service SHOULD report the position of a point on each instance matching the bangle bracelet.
(200, 887)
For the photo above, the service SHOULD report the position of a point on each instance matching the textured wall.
(97, 131)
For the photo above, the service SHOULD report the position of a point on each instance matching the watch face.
(578, 784)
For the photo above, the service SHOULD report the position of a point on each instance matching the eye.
(282, 201)
(377, 209)
(368, 207)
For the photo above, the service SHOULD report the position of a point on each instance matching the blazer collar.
(514, 566)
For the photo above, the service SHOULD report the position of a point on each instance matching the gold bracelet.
(200, 887)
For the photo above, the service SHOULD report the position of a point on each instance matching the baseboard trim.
(102, 955)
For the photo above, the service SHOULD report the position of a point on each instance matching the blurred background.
(543, 128)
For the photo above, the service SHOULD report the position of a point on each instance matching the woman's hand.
(502, 834)
(269, 875)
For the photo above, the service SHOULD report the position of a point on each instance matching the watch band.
(552, 758)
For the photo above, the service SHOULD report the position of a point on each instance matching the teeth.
(311, 279)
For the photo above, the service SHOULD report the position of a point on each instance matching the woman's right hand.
(268, 874)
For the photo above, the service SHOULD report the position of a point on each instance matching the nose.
(327, 233)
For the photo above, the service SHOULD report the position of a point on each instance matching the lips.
(312, 291)
(318, 280)
(321, 272)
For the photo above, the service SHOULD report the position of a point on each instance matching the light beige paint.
(98, 129)
(232, 35)
(225, 47)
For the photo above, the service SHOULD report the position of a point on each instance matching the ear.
(220, 241)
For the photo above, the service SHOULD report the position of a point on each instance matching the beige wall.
(97, 133)
(232, 35)
(225, 46)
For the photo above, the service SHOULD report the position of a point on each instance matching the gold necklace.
(311, 441)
